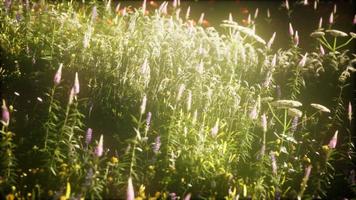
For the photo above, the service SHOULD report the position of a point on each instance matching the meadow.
(104, 101)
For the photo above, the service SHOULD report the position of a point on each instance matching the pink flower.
(333, 141)
(287, 4)
(130, 193)
(322, 51)
(76, 84)
(88, 136)
(99, 149)
(188, 196)
(303, 61)
(291, 31)
(331, 18)
(58, 75)
(307, 172)
(354, 21)
(320, 23)
(5, 114)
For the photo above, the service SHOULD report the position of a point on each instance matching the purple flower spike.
(88, 136)
(99, 149)
(333, 141)
(94, 13)
(5, 114)
(295, 124)
(148, 119)
(58, 75)
(291, 31)
(157, 145)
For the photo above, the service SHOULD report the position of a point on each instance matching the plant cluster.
(106, 102)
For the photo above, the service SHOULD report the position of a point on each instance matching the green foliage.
(203, 92)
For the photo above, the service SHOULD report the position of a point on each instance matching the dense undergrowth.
(103, 102)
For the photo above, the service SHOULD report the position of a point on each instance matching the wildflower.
(94, 13)
(143, 105)
(174, 3)
(5, 118)
(349, 112)
(274, 164)
(333, 141)
(188, 196)
(336, 33)
(39, 99)
(287, 4)
(307, 173)
(334, 8)
(354, 21)
(291, 31)
(117, 8)
(320, 23)
(256, 14)
(148, 119)
(320, 107)
(303, 60)
(215, 129)
(295, 112)
(253, 114)
(315, 5)
(264, 122)
(58, 75)
(331, 18)
(187, 13)
(295, 123)
(249, 19)
(270, 42)
(88, 136)
(201, 19)
(230, 18)
(189, 101)
(286, 103)
(157, 145)
(180, 91)
(76, 84)
(99, 149)
(130, 193)
(296, 38)
(322, 51)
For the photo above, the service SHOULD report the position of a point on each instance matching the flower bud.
(58, 75)
(5, 114)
